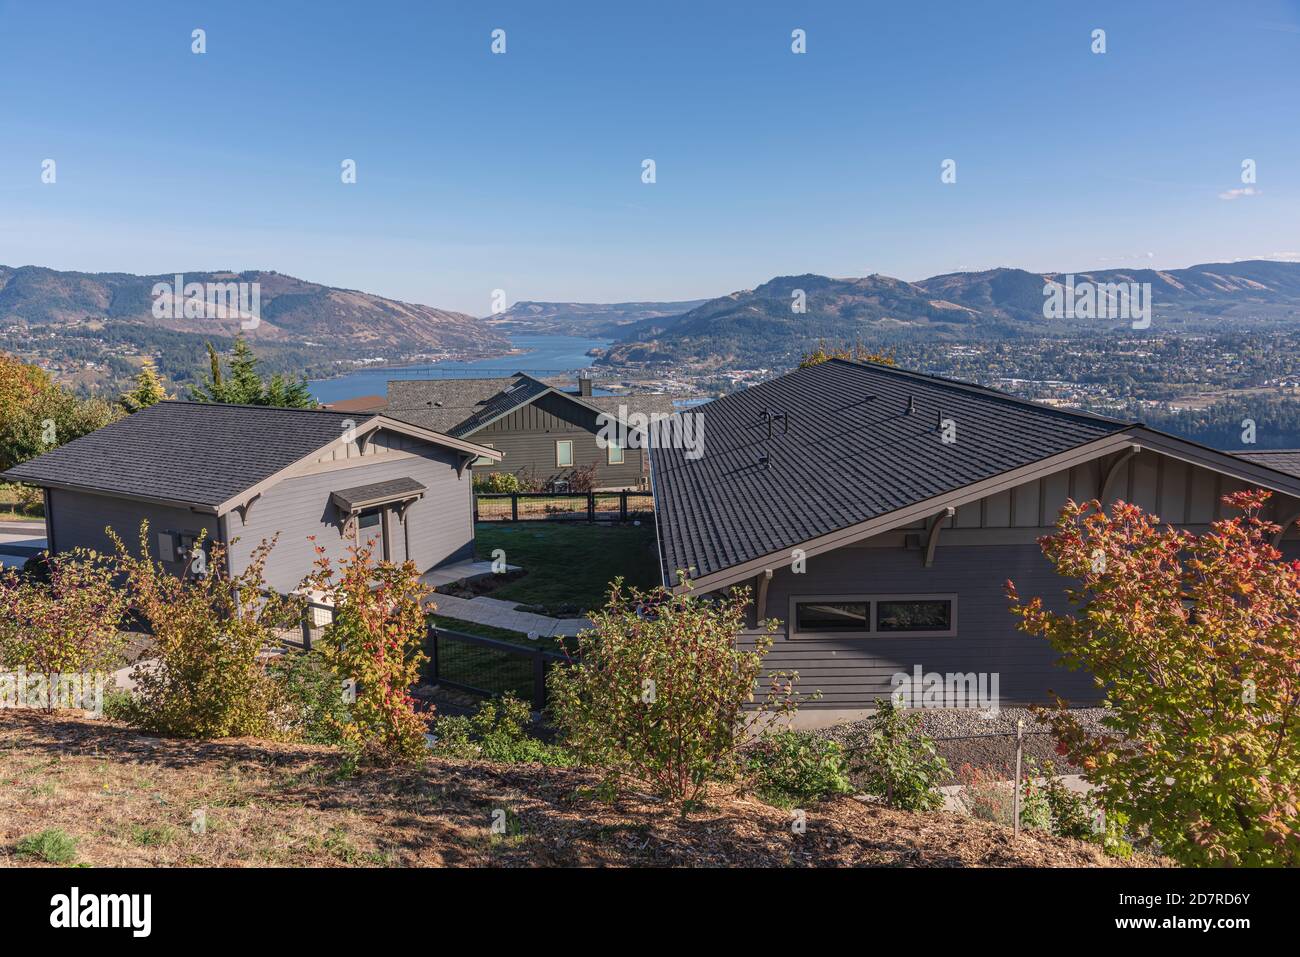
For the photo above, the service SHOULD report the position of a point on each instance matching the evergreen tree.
(241, 384)
(148, 389)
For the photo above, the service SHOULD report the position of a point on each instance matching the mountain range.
(293, 312)
(595, 319)
(761, 325)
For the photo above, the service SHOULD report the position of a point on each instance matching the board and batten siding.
(527, 438)
(985, 544)
(79, 519)
(440, 526)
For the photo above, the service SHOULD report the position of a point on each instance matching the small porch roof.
(377, 493)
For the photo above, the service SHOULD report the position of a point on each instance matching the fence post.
(475, 497)
(539, 680)
(514, 506)
(433, 653)
(622, 506)
(591, 507)
(306, 629)
(1020, 744)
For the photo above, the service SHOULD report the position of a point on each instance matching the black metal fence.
(489, 666)
(563, 506)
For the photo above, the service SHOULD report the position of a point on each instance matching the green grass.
(568, 567)
(54, 846)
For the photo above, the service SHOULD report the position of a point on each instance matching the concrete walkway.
(504, 614)
(19, 541)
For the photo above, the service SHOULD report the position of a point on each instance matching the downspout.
(50, 547)
(654, 499)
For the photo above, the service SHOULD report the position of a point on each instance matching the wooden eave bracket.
(243, 508)
(761, 581)
(932, 540)
(1113, 471)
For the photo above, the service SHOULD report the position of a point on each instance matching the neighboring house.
(544, 433)
(361, 403)
(247, 473)
(876, 514)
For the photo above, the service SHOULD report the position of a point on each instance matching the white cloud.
(1240, 193)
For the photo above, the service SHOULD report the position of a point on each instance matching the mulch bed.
(116, 790)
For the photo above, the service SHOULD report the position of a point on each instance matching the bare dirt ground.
(129, 799)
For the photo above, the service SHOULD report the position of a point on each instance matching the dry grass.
(127, 799)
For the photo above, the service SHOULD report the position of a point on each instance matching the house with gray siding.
(875, 514)
(242, 474)
(543, 433)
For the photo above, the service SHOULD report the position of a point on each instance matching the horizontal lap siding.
(440, 524)
(78, 519)
(853, 672)
(528, 435)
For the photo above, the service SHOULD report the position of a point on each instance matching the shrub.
(1195, 640)
(793, 766)
(374, 640)
(67, 624)
(661, 692)
(986, 794)
(205, 677)
(54, 846)
(1072, 813)
(899, 761)
(312, 699)
(499, 482)
(497, 731)
(583, 478)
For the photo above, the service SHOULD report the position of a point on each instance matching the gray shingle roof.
(187, 452)
(443, 404)
(459, 407)
(852, 453)
(1283, 460)
(377, 493)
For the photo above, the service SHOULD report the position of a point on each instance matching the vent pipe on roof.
(911, 404)
(765, 460)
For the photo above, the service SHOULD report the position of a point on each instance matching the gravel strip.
(984, 742)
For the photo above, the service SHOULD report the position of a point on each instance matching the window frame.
(483, 459)
(558, 463)
(871, 601)
(610, 448)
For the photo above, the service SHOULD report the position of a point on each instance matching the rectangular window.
(874, 616)
(483, 459)
(615, 453)
(919, 614)
(832, 616)
(564, 453)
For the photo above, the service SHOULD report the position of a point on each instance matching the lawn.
(568, 567)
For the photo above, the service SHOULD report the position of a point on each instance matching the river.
(543, 356)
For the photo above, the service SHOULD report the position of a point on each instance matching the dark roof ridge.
(263, 408)
(982, 390)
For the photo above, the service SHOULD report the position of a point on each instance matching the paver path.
(502, 614)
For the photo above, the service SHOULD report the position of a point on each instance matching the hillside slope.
(293, 311)
(760, 326)
(127, 800)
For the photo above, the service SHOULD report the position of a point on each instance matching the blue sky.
(522, 171)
